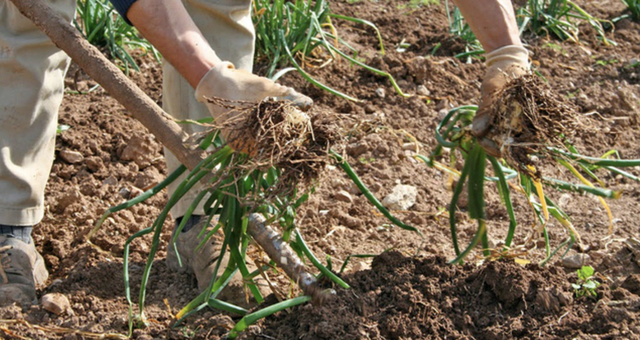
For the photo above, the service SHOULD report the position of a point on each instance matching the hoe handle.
(147, 112)
(91, 60)
(282, 254)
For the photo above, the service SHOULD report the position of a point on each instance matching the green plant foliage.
(98, 21)
(453, 133)
(233, 193)
(458, 27)
(301, 20)
(559, 18)
(301, 34)
(634, 8)
(586, 284)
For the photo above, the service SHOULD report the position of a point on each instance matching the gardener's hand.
(226, 82)
(504, 64)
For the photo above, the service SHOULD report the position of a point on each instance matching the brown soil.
(424, 298)
(408, 293)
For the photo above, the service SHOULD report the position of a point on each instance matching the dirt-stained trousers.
(32, 74)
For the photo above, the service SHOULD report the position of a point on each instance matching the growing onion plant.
(300, 35)
(98, 21)
(560, 19)
(634, 8)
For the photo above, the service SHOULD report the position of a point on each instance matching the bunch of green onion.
(453, 132)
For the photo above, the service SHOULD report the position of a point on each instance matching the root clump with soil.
(277, 134)
(528, 118)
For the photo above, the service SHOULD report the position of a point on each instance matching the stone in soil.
(402, 197)
(576, 261)
(56, 303)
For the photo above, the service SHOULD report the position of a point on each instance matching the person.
(208, 49)
(494, 24)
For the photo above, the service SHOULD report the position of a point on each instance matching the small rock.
(375, 187)
(380, 115)
(143, 247)
(423, 90)
(94, 163)
(141, 150)
(148, 178)
(222, 321)
(597, 255)
(409, 156)
(360, 266)
(124, 193)
(111, 180)
(584, 248)
(71, 157)
(135, 192)
(565, 298)
(141, 335)
(442, 113)
(71, 197)
(353, 189)
(56, 303)
(323, 212)
(343, 196)
(55, 282)
(410, 147)
(351, 222)
(575, 261)
(443, 105)
(380, 93)
(93, 146)
(402, 197)
(369, 109)
(494, 244)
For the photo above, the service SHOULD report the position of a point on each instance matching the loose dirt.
(404, 297)
(409, 292)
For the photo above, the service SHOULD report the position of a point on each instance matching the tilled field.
(407, 293)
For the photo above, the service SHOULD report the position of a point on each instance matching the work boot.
(22, 270)
(202, 262)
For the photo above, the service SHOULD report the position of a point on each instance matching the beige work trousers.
(227, 26)
(31, 87)
(32, 73)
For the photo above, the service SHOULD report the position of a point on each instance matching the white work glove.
(226, 82)
(503, 65)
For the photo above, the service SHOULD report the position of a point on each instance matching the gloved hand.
(227, 82)
(504, 64)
